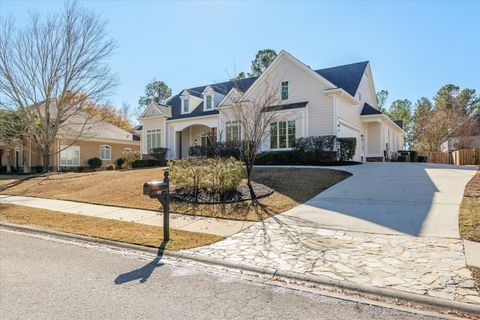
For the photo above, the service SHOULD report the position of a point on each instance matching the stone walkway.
(430, 266)
(221, 227)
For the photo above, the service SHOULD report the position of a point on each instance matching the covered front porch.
(187, 134)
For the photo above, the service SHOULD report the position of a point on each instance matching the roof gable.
(347, 77)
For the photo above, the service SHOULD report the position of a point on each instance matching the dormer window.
(209, 102)
(359, 96)
(284, 90)
(186, 105)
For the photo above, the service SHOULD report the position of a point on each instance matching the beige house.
(72, 148)
(338, 101)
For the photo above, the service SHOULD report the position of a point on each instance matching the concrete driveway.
(392, 198)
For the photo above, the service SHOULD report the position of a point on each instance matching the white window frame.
(289, 144)
(284, 85)
(187, 101)
(107, 155)
(360, 96)
(154, 139)
(207, 106)
(69, 154)
(229, 126)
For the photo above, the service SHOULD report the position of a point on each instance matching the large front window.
(282, 134)
(232, 131)
(153, 139)
(70, 156)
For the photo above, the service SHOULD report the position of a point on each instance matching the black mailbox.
(161, 191)
(152, 188)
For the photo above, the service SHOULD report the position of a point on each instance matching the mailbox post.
(161, 191)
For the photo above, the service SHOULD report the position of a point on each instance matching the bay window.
(282, 134)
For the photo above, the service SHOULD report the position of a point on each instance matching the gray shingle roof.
(369, 110)
(347, 77)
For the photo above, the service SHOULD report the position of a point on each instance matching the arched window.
(105, 152)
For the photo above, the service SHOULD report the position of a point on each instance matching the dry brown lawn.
(292, 186)
(122, 231)
(469, 221)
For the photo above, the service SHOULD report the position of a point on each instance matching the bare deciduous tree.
(51, 69)
(254, 112)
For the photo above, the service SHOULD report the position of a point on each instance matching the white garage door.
(347, 132)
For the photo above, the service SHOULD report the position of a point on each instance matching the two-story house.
(337, 101)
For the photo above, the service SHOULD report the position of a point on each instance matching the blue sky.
(414, 47)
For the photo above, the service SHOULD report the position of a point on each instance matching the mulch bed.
(241, 194)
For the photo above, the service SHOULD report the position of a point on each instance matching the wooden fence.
(459, 157)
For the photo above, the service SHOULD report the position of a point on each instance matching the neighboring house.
(338, 101)
(97, 139)
(456, 141)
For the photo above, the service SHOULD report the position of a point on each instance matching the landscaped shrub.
(294, 157)
(217, 176)
(216, 150)
(36, 169)
(145, 163)
(159, 154)
(110, 167)
(3, 169)
(346, 148)
(94, 163)
(120, 162)
(128, 158)
(315, 144)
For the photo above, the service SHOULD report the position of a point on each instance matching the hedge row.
(295, 157)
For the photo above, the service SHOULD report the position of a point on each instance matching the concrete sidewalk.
(221, 227)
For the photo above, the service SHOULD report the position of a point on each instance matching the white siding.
(304, 86)
(152, 124)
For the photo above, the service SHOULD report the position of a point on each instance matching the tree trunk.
(46, 160)
(249, 168)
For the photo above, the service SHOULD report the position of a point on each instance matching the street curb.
(271, 272)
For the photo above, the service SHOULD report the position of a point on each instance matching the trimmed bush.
(36, 169)
(216, 150)
(145, 163)
(94, 163)
(346, 148)
(120, 162)
(159, 154)
(315, 144)
(217, 176)
(3, 169)
(294, 157)
(110, 167)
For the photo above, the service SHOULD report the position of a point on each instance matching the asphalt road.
(44, 279)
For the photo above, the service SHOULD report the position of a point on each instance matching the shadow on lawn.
(142, 274)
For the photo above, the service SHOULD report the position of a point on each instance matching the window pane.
(273, 136)
(158, 140)
(291, 133)
(209, 102)
(284, 90)
(228, 132)
(282, 132)
(235, 133)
